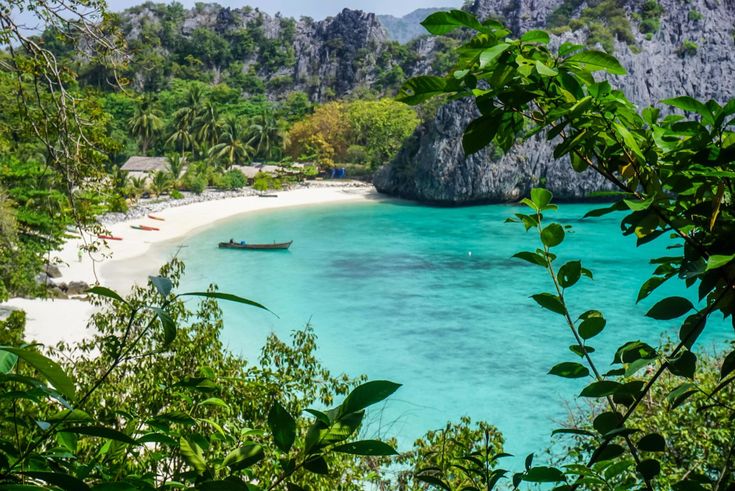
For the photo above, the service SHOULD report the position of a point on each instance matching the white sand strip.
(49, 321)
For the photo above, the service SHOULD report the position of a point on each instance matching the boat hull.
(256, 247)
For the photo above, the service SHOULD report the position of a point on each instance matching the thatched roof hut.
(145, 164)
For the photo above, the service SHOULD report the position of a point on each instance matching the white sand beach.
(53, 320)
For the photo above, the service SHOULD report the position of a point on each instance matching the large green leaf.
(492, 53)
(193, 455)
(692, 105)
(420, 89)
(64, 481)
(479, 134)
(366, 447)
(543, 474)
(49, 368)
(440, 23)
(570, 370)
(368, 394)
(106, 292)
(670, 308)
(718, 261)
(282, 426)
(550, 302)
(597, 60)
(226, 296)
(536, 36)
(601, 388)
(7, 361)
(592, 324)
(552, 235)
(101, 432)
(162, 284)
(244, 457)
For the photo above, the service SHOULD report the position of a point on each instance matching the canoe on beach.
(264, 247)
(145, 227)
(154, 217)
(109, 237)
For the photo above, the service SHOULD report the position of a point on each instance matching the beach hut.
(138, 166)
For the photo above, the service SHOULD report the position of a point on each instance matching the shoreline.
(43, 315)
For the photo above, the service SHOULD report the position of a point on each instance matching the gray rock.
(53, 271)
(76, 288)
(432, 166)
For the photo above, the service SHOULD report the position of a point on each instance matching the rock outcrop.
(689, 54)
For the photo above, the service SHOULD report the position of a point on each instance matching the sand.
(120, 264)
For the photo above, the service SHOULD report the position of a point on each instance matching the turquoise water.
(393, 292)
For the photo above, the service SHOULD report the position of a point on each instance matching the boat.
(145, 227)
(109, 237)
(267, 196)
(154, 217)
(262, 247)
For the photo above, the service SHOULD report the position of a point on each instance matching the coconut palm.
(176, 163)
(234, 145)
(146, 124)
(161, 183)
(207, 126)
(267, 135)
(181, 138)
(136, 186)
(189, 113)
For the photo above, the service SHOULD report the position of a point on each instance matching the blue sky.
(317, 9)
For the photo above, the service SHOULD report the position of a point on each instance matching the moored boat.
(109, 237)
(154, 217)
(263, 247)
(147, 228)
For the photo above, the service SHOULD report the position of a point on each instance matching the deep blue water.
(393, 292)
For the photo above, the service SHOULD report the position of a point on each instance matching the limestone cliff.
(690, 53)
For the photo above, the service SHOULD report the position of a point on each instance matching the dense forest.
(153, 400)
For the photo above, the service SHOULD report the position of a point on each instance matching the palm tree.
(146, 124)
(207, 126)
(234, 146)
(267, 135)
(181, 138)
(137, 186)
(188, 114)
(176, 164)
(161, 183)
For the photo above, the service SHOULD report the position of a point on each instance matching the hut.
(138, 166)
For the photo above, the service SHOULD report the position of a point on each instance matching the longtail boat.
(154, 217)
(261, 247)
(267, 196)
(145, 227)
(109, 237)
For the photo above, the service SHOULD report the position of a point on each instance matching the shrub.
(695, 15)
(196, 183)
(232, 179)
(688, 48)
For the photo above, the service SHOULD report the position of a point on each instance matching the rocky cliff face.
(691, 53)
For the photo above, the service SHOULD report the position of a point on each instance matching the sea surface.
(431, 298)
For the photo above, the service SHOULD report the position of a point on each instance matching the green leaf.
(541, 197)
(282, 426)
(7, 361)
(649, 468)
(229, 484)
(550, 302)
(592, 324)
(543, 474)
(728, 365)
(440, 23)
(317, 465)
(544, 70)
(479, 134)
(552, 235)
(570, 273)
(48, 368)
(105, 292)
(531, 257)
(609, 452)
(61, 480)
(368, 394)
(162, 284)
(569, 370)
(433, 481)
(168, 325)
(652, 442)
(601, 388)
(639, 205)
(691, 105)
(535, 36)
(422, 88)
(670, 308)
(631, 143)
(684, 364)
(101, 432)
(366, 447)
(717, 261)
(225, 296)
(597, 60)
(244, 457)
(193, 455)
(489, 55)
(649, 286)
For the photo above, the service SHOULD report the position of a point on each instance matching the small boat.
(267, 196)
(145, 227)
(109, 237)
(262, 247)
(154, 217)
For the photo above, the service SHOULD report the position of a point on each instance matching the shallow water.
(431, 298)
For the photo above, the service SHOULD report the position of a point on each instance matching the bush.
(196, 183)
(695, 15)
(357, 154)
(688, 48)
(232, 179)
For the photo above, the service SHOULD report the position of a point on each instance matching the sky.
(317, 9)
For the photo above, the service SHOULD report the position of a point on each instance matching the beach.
(119, 264)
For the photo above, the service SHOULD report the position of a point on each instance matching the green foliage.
(688, 48)
(695, 15)
(673, 177)
(604, 20)
(154, 397)
(650, 15)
